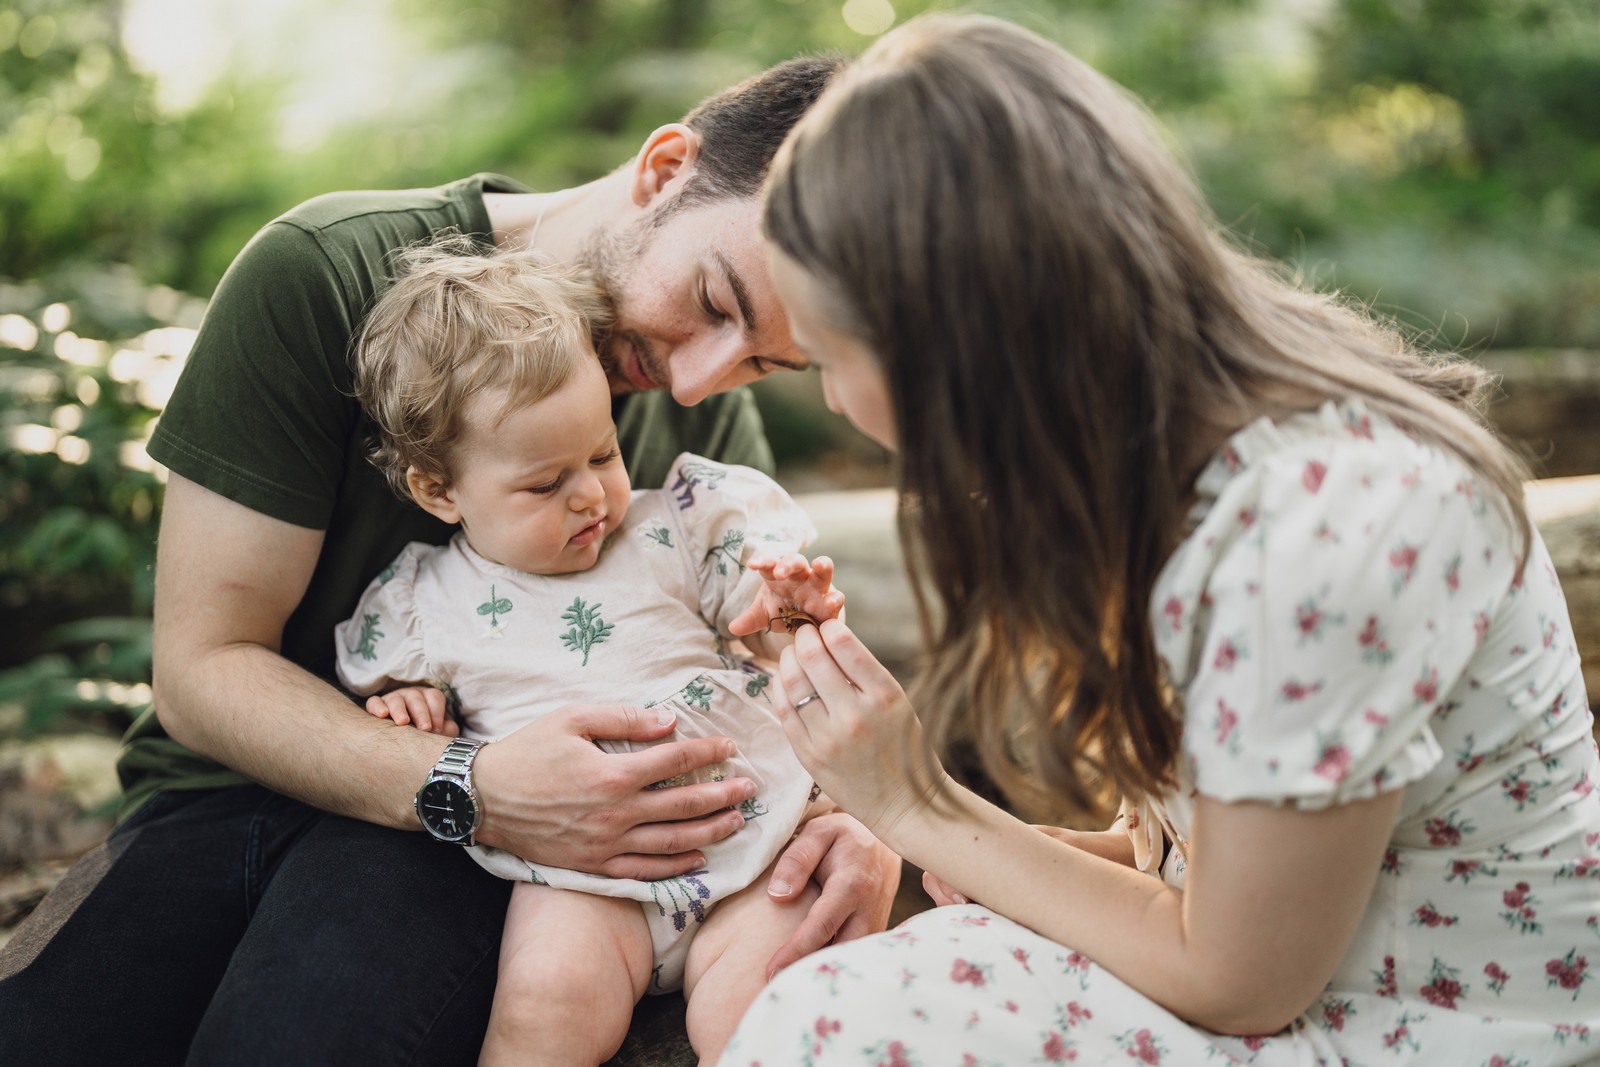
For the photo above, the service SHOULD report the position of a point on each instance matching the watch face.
(446, 809)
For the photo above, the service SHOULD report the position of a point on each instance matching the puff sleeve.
(1321, 614)
(728, 515)
(380, 646)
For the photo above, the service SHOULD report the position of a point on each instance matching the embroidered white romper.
(647, 625)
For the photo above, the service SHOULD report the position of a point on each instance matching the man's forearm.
(253, 711)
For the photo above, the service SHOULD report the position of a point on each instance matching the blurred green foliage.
(1437, 158)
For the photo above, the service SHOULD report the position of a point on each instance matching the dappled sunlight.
(1388, 130)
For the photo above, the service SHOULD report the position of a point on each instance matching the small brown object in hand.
(791, 618)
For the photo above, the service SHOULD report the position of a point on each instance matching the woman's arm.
(1113, 844)
(1273, 895)
(1273, 898)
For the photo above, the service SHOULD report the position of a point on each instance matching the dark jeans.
(237, 926)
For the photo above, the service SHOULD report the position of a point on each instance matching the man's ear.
(432, 495)
(668, 153)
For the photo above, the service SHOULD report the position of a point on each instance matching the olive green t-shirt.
(265, 414)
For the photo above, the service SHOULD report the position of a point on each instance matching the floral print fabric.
(1346, 616)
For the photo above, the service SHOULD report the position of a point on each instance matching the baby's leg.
(572, 966)
(727, 963)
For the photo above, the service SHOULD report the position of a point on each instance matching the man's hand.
(858, 875)
(552, 796)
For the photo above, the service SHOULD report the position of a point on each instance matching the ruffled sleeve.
(728, 515)
(380, 646)
(1322, 612)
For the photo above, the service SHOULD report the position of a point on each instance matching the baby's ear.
(432, 495)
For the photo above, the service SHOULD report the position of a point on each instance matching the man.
(264, 899)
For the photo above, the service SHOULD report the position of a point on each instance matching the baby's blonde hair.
(456, 323)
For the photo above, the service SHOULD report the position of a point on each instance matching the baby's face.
(540, 490)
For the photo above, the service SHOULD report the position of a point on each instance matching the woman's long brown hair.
(1067, 337)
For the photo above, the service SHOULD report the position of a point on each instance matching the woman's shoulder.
(1339, 496)
(1300, 446)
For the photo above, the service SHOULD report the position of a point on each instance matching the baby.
(562, 586)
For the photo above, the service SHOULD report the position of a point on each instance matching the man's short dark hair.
(741, 127)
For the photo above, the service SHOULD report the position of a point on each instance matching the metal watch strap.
(456, 759)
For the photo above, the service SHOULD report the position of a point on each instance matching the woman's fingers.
(940, 891)
(855, 662)
(793, 687)
(817, 664)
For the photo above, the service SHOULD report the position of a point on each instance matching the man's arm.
(228, 578)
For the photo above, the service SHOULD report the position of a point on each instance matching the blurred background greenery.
(1438, 159)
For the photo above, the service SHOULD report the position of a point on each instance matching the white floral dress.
(1345, 617)
(645, 625)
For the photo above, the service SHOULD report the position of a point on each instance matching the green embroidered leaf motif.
(655, 533)
(494, 607)
(587, 628)
(728, 551)
(698, 694)
(366, 645)
(756, 687)
(751, 808)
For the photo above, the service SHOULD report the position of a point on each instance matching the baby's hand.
(791, 584)
(418, 705)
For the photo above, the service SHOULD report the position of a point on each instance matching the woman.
(1219, 548)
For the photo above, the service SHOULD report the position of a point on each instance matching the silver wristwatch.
(447, 804)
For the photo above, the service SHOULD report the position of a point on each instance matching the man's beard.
(610, 256)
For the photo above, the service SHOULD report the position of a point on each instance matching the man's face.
(696, 312)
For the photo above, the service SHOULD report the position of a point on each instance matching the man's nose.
(699, 371)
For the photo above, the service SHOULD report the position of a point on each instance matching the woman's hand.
(853, 728)
(941, 892)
